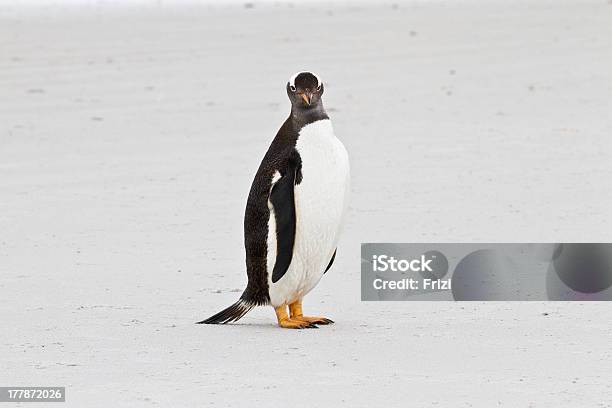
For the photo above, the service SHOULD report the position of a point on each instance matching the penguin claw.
(307, 325)
(314, 320)
(297, 324)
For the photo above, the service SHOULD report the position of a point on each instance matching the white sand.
(129, 138)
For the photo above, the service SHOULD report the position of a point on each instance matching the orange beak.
(306, 98)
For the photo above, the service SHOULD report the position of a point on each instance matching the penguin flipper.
(331, 262)
(282, 198)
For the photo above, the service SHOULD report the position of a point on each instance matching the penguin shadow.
(256, 325)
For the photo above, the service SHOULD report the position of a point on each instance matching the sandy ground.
(129, 138)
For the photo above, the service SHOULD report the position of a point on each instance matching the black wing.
(331, 261)
(283, 200)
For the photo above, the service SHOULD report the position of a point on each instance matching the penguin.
(295, 211)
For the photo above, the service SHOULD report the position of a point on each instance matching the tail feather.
(230, 314)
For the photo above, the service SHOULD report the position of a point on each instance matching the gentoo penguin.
(294, 212)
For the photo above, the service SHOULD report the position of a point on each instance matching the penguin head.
(305, 90)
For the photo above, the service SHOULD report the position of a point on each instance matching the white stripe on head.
(292, 79)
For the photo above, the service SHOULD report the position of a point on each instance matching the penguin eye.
(319, 87)
(293, 89)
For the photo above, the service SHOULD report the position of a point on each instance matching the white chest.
(320, 200)
(321, 196)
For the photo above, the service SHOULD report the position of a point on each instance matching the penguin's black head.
(305, 90)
